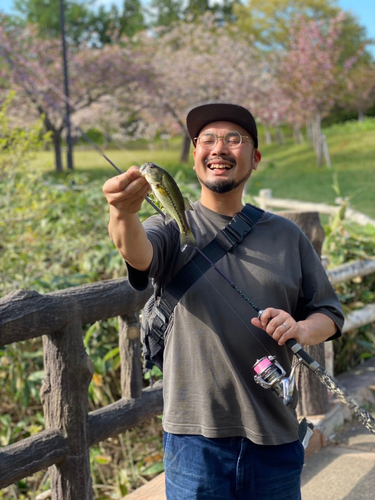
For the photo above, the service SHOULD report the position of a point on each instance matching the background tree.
(32, 67)
(270, 22)
(359, 89)
(132, 19)
(46, 13)
(196, 8)
(310, 73)
(221, 67)
(165, 12)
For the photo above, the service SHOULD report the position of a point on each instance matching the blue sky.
(364, 10)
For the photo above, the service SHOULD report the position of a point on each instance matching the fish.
(168, 193)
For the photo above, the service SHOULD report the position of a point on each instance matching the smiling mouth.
(219, 166)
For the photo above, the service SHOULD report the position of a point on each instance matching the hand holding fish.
(126, 192)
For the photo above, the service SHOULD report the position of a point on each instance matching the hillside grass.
(288, 169)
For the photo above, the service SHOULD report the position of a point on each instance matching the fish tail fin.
(187, 240)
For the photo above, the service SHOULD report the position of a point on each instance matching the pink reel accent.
(261, 365)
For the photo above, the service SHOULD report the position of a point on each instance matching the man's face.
(223, 169)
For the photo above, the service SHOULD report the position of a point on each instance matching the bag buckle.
(237, 229)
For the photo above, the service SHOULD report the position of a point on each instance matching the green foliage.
(269, 23)
(46, 13)
(351, 127)
(54, 232)
(347, 242)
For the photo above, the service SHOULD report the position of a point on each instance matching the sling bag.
(157, 317)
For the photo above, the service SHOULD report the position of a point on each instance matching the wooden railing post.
(264, 196)
(130, 353)
(313, 398)
(67, 374)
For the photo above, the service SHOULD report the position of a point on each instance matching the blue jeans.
(198, 468)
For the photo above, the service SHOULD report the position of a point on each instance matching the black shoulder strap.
(225, 240)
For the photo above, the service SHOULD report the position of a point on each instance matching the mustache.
(226, 158)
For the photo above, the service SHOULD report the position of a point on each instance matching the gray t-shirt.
(209, 386)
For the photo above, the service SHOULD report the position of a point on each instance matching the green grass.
(289, 170)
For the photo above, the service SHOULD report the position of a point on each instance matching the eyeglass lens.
(232, 140)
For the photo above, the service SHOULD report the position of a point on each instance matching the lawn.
(288, 169)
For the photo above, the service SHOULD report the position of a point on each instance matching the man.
(225, 436)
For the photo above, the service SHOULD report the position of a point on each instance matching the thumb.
(256, 322)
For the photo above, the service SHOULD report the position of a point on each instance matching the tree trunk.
(298, 135)
(313, 396)
(57, 147)
(317, 128)
(309, 133)
(268, 135)
(280, 135)
(185, 149)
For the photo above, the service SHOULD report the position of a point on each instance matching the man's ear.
(257, 158)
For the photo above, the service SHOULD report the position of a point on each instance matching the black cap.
(201, 116)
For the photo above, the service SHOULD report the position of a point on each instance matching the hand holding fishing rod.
(271, 375)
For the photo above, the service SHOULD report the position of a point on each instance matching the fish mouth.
(145, 168)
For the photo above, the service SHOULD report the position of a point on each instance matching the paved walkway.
(345, 468)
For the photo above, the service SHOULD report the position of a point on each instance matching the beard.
(222, 186)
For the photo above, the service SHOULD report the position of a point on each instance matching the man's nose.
(219, 147)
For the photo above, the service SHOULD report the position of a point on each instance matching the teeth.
(219, 166)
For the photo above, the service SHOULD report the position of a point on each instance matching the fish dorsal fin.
(187, 204)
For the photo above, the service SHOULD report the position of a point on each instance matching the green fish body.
(167, 192)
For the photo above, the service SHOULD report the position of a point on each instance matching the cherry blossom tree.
(33, 68)
(196, 62)
(311, 72)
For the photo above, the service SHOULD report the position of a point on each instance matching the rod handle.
(302, 355)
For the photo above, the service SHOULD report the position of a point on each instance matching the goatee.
(222, 186)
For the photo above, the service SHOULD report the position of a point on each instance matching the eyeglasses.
(208, 140)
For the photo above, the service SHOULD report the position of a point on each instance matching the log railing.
(266, 201)
(70, 429)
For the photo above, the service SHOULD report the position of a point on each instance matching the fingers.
(278, 324)
(126, 191)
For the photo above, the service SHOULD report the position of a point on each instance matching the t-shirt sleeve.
(318, 294)
(163, 238)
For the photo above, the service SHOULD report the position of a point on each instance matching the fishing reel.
(271, 375)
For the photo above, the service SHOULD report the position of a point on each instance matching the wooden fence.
(266, 201)
(70, 429)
